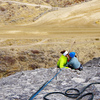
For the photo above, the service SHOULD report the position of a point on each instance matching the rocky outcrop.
(93, 62)
(22, 85)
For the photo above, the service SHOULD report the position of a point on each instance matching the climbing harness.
(44, 85)
(74, 95)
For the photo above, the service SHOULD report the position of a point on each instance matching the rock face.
(93, 62)
(22, 85)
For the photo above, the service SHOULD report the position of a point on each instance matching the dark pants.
(80, 68)
(70, 66)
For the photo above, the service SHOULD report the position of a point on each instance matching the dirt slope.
(86, 14)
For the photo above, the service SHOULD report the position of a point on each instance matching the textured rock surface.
(22, 85)
(93, 62)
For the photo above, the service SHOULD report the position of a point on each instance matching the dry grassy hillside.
(39, 2)
(28, 52)
(22, 11)
(13, 13)
(54, 3)
(63, 3)
(86, 14)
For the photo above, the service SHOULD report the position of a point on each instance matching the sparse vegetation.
(44, 55)
(35, 51)
(13, 13)
(7, 59)
(97, 39)
(16, 13)
(2, 8)
(33, 66)
(54, 3)
(22, 58)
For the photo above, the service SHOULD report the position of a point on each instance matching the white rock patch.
(78, 80)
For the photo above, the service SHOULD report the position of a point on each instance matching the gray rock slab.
(22, 85)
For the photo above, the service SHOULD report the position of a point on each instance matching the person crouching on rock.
(74, 63)
(63, 59)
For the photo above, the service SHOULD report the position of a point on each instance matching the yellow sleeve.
(66, 67)
(62, 64)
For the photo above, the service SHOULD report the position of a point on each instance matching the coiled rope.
(74, 95)
(70, 95)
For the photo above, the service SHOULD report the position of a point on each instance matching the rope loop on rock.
(74, 95)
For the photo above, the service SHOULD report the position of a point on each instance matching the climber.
(73, 62)
(63, 59)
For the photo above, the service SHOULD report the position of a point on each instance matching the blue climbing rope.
(67, 94)
(44, 85)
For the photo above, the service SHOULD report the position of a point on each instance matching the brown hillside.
(27, 11)
(16, 13)
(86, 14)
(26, 44)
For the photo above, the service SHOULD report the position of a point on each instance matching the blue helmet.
(72, 54)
